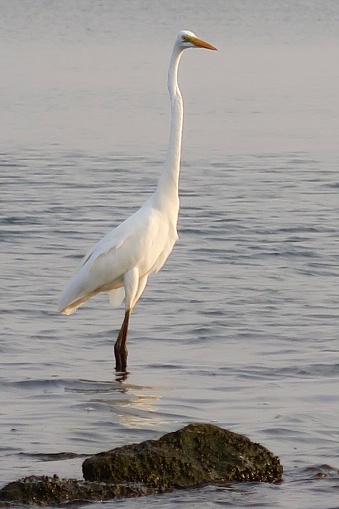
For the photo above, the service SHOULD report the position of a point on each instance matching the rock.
(43, 490)
(195, 455)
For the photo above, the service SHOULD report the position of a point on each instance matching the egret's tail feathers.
(70, 308)
(76, 293)
(85, 285)
(68, 311)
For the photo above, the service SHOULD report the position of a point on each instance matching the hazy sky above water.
(80, 73)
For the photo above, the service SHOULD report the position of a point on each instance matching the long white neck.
(167, 189)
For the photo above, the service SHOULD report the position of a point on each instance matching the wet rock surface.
(196, 455)
(43, 490)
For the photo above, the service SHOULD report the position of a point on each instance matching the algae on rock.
(195, 455)
(44, 490)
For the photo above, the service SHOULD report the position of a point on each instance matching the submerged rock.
(43, 490)
(196, 455)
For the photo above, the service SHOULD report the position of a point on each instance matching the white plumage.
(121, 262)
(140, 244)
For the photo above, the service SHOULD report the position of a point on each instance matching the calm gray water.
(241, 326)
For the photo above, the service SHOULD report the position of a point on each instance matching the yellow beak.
(199, 43)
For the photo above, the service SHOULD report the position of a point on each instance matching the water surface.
(240, 328)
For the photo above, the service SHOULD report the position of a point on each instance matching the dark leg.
(120, 349)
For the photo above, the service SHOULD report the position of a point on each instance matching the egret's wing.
(101, 270)
(137, 242)
(145, 242)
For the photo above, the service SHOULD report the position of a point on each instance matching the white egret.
(121, 262)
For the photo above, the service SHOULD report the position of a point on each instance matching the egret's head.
(187, 39)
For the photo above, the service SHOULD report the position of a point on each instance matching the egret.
(121, 262)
